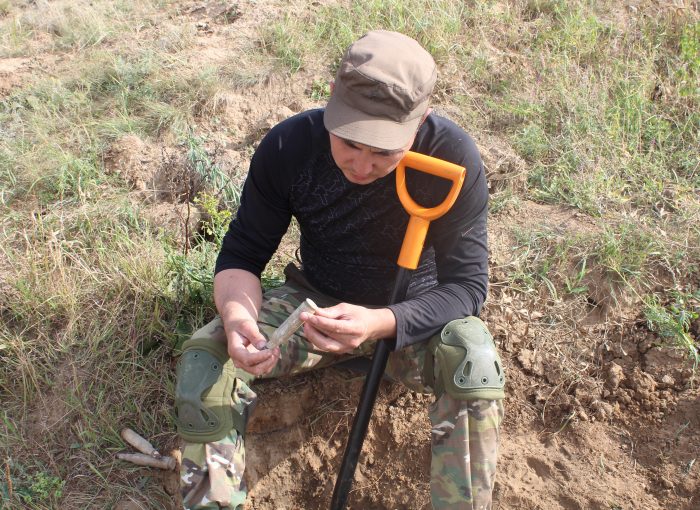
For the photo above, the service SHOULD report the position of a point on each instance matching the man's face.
(362, 164)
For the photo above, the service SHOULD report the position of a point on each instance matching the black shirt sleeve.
(264, 213)
(459, 240)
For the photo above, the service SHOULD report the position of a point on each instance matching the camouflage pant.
(465, 434)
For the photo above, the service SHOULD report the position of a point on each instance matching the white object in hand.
(291, 324)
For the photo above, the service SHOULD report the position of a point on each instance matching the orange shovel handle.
(422, 216)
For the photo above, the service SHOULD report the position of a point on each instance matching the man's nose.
(363, 163)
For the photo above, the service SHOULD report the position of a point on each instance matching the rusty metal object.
(141, 459)
(140, 443)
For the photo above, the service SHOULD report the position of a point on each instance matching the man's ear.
(425, 115)
(331, 84)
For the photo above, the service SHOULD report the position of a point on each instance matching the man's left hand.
(344, 327)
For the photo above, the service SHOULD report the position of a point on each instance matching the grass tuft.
(672, 321)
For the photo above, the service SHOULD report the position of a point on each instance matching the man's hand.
(344, 327)
(246, 348)
(238, 297)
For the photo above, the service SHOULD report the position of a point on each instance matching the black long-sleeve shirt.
(351, 234)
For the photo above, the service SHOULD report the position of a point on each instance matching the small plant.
(279, 42)
(672, 322)
(192, 275)
(546, 257)
(217, 219)
(28, 486)
(689, 72)
(211, 173)
(624, 250)
(320, 90)
(532, 142)
(575, 285)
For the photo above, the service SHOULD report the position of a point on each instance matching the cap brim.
(352, 124)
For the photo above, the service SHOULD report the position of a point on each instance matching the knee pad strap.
(465, 364)
(205, 383)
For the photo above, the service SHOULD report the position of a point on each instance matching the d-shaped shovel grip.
(422, 216)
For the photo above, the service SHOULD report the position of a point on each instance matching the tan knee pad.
(465, 362)
(205, 381)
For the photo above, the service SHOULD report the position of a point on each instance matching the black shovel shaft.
(364, 408)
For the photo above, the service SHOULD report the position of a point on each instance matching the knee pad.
(205, 382)
(465, 362)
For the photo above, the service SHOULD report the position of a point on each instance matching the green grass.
(597, 130)
(672, 321)
(57, 130)
(68, 25)
(435, 24)
(626, 254)
(101, 290)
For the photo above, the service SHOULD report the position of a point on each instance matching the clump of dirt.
(165, 182)
(505, 169)
(642, 376)
(160, 175)
(11, 73)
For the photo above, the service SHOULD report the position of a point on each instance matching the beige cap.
(381, 90)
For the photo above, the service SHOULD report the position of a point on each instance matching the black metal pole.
(364, 408)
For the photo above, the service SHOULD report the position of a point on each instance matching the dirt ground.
(599, 415)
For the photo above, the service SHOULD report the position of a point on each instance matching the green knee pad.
(205, 382)
(465, 362)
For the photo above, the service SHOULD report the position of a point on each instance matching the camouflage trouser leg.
(211, 474)
(465, 433)
(465, 438)
(465, 441)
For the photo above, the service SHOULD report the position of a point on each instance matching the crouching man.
(333, 170)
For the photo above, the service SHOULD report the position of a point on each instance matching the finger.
(251, 332)
(235, 346)
(323, 342)
(261, 368)
(331, 312)
(332, 327)
(247, 360)
(268, 365)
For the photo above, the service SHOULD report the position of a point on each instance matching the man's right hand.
(246, 346)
